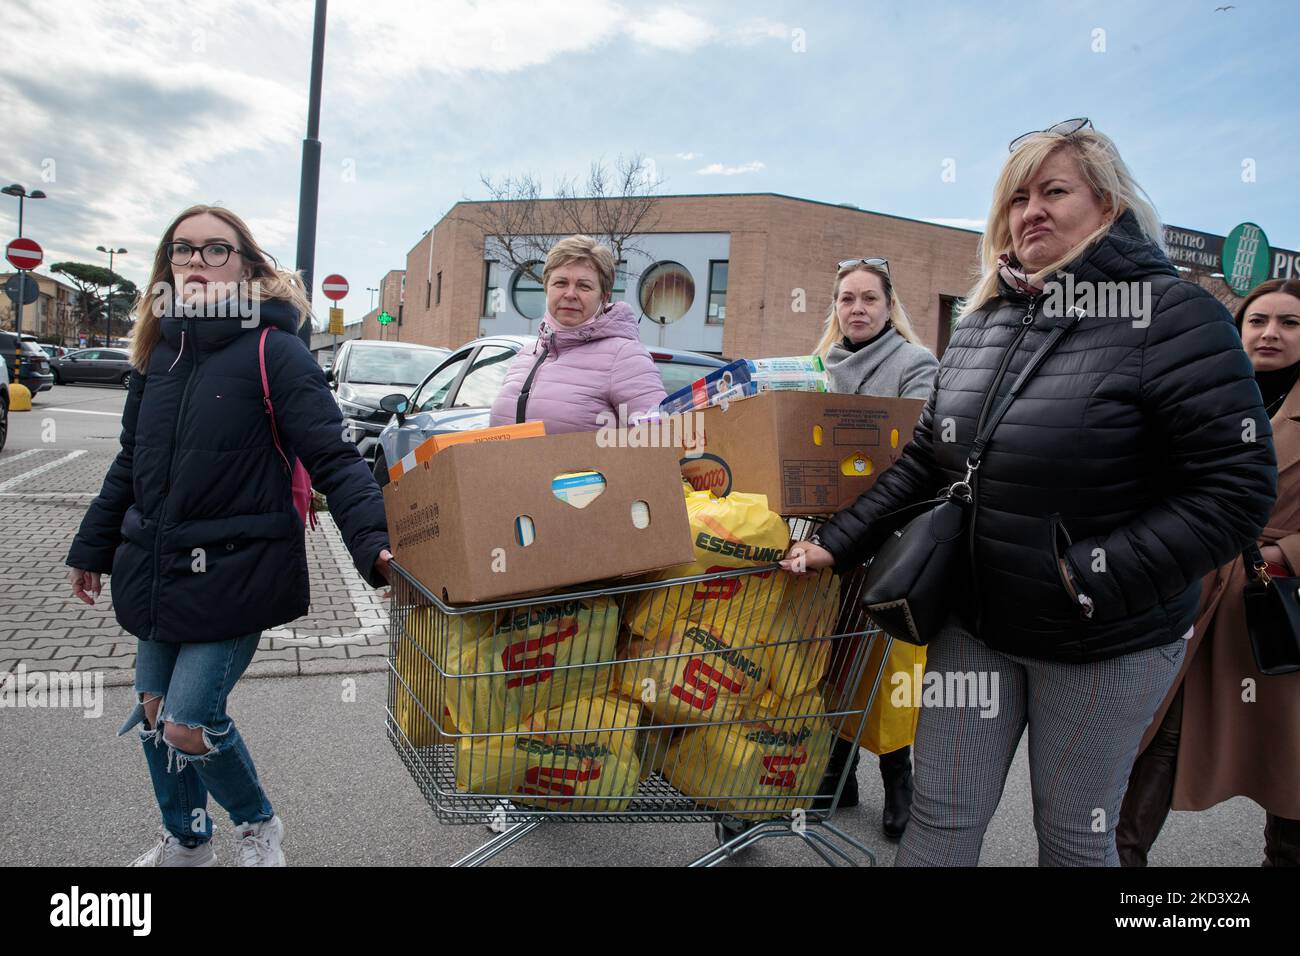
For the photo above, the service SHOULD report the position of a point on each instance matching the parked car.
(458, 394)
(364, 371)
(94, 366)
(4, 404)
(53, 351)
(35, 373)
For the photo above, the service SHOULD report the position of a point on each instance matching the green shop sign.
(1245, 258)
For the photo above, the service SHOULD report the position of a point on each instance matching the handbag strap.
(1256, 565)
(521, 406)
(1035, 362)
(266, 396)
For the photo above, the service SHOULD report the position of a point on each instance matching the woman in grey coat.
(870, 348)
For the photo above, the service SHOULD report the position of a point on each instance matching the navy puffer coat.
(198, 470)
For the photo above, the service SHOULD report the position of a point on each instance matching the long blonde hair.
(270, 282)
(897, 314)
(1106, 174)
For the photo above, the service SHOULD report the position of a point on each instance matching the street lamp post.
(372, 292)
(309, 186)
(17, 189)
(108, 307)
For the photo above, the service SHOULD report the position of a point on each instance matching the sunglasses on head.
(875, 261)
(1064, 129)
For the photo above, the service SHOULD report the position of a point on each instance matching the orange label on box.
(422, 452)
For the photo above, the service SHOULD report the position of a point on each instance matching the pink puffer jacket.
(584, 372)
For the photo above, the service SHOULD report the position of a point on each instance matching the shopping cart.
(712, 698)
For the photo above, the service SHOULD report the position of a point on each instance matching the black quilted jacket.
(1140, 451)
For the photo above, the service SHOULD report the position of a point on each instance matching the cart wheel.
(725, 830)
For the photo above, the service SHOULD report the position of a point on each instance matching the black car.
(96, 366)
(35, 372)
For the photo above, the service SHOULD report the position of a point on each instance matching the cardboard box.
(452, 519)
(436, 443)
(810, 453)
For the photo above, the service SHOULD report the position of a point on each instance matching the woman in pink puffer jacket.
(588, 369)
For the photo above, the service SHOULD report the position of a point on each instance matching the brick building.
(53, 314)
(736, 275)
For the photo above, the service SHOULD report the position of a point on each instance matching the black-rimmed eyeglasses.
(214, 254)
(874, 261)
(1065, 128)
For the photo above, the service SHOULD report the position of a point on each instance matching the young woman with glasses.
(196, 523)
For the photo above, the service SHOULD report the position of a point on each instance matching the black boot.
(896, 772)
(1150, 790)
(1281, 841)
(842, 752)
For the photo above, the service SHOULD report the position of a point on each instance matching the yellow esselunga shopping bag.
(697, 652)
(579, 756)
(417, 700)
(798, 647)
(692, 674)
(767, 766)
(891, 717)
(738, 531)
(501, 666)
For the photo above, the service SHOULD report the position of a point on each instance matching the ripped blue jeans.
(194, 681)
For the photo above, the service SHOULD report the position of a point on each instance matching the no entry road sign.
(24, 254)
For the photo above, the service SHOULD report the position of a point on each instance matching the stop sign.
(335, 287)
(24, 254)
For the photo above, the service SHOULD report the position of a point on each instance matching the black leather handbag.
(1272, 616)
(922, 570)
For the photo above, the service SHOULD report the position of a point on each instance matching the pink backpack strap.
(266, 397)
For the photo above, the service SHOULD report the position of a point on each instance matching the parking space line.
(49, 495)
(82, 411)
(24, 454)
(40, 469)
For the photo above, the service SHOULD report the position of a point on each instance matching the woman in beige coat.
(1226, 729)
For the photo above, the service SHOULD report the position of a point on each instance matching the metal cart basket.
(713, 698)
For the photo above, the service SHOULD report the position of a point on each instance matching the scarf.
(1014, 275)
(849, 346)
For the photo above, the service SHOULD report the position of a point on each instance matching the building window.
(438, 297)
(428, 292)
(717, 313)
(667, 292)
(490, 304)
(619, 291)
(526, 293)
(949, 309)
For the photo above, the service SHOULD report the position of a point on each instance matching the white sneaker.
(259, 843)
(169, 851)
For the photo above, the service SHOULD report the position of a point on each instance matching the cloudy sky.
(126, 111)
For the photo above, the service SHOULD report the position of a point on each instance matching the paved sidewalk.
(44, 492)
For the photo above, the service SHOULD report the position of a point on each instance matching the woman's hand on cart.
(806, 556)
(381, 565)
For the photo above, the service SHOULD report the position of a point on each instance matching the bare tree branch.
(614, 205)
